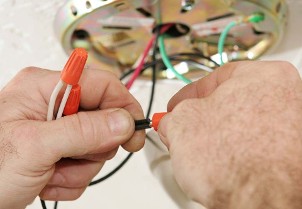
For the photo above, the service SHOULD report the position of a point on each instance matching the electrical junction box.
(115, 32)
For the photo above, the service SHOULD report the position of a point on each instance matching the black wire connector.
(142, 124)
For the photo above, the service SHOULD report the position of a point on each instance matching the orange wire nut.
(74, 67)
(73, 101)
(156, 119)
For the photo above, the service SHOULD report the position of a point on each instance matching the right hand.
(235, 137)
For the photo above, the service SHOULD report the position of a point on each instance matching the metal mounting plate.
(116, 31)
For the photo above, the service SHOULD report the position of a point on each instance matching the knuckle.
(186, 106)
(287, 69)
(29, 71)
(110, 74)
(100, 75)
(24, 76)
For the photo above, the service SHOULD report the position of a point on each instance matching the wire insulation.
(254, 18)
(157, 34)
(167, 62)
(141, 63)
(52, 101)
(43, 204)
(113, 171)
(195, 54)
(222, 38)
(64, 101)
(143, 57)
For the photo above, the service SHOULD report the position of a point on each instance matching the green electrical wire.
(167, 62)
(222, 38)
(254, 18)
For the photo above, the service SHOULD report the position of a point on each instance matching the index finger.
(100, 90)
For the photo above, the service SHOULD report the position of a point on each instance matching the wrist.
(11, 198)
(11, 204)
(275, 188)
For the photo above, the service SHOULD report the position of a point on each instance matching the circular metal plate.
(116, 31)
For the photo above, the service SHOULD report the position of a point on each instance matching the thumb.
(163, 129)
(87, 132)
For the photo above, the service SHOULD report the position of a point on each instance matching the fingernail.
(51, 193)
(119, 122)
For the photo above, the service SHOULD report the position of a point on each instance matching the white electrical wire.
(202, 67)
(52, 100)
(64, 101)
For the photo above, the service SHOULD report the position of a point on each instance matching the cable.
(203, 67)
(254, 18)
(113, 171)
(167, 61)
(53, 98)
(222, 38)
(141, 63)
(157, 34)
(64, 101)
(142, 58)
(56, 205)
(195, 54)
(43, 204)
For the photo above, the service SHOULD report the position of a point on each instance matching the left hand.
(58, 159)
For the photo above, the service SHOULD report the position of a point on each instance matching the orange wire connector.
(148, 123)
(74, 67)
(73, 101)
(70, 77)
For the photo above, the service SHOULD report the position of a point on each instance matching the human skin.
(58, 159)
(235, 137)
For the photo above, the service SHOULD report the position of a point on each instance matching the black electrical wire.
(43, 204)
(194, 54)
(113, 171)
(154, 53)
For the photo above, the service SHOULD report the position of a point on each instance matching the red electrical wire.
(140, 66)
(141, 63)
